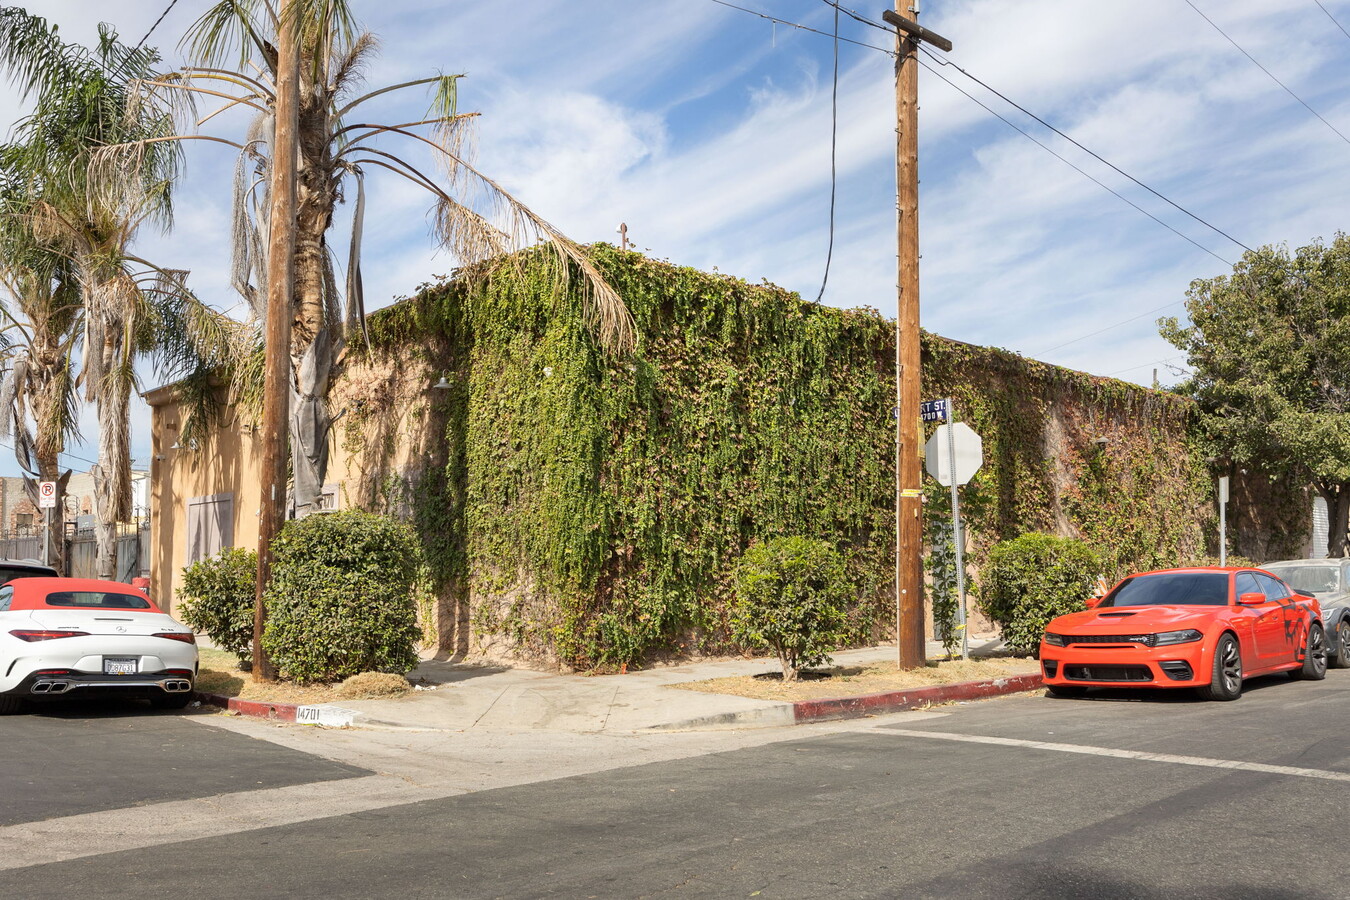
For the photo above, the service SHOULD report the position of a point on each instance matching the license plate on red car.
(119, 665)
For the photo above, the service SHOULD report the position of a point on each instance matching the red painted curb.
(896, 701)
(280, 712)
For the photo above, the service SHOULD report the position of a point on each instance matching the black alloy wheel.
(1225, 673)
(1342, 658)
(1314, 656)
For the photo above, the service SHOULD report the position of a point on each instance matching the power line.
(146, 37)
(798, 25)
(1267, 71)
(1072, 165)
(1332, 18)
(856, 16)
(1022, 109)
(834, 143)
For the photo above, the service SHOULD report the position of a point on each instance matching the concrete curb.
(898, 701)
(801, 712)
(258, 709)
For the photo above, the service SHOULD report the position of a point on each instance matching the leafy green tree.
(791, 598)
(1268, 348)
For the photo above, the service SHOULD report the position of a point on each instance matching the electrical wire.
(856, 16)
(834, 143)
(1104, 161)
(1332, 18)
(146, 36)
(1071, 165)
(801, 27)
(1267, 71)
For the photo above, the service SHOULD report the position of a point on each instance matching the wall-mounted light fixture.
(1100, 442)
(442, 385)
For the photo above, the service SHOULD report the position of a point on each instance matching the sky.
(708, 131)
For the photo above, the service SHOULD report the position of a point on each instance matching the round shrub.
(341, 598)
(217, 598)
(1029, 580)
(791, 595)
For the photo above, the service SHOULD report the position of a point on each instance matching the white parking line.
(1240, 765)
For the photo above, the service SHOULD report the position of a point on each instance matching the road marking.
(137, 827)
(1240, 765)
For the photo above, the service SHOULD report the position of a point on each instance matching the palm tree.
(39, 402)
(91, 217)
(233, 48)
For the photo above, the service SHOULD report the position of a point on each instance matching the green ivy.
(590, 508)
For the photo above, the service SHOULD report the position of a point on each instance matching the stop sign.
(969, 455)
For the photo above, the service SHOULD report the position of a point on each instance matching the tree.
(1267, 345)
(233, 46)
(90, 215)
(38, 386)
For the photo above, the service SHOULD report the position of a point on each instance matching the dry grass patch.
(855, 681)
(220, 674)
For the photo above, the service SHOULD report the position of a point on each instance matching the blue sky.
(707, 130)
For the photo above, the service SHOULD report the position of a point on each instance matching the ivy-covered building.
(585, 509)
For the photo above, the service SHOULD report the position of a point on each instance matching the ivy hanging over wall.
(588, 509)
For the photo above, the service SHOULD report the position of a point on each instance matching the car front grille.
(1145, 639)
(1108, 673)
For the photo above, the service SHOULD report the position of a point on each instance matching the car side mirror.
(1094, 602)
(1255, 598)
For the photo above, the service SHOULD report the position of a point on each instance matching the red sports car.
(1203, 628)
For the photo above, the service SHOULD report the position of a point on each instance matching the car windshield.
(1171, 589)
(96, 600)
(1316, 579)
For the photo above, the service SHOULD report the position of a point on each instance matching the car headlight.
(1176, 637)
(1054, 640)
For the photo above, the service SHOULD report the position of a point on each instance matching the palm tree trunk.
(112, 475)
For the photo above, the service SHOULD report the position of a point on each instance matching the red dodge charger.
(1202, 628)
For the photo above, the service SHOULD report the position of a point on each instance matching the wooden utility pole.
(280, 284)
(909, 637)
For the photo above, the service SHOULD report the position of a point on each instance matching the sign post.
(47, 502)
(1223, 520)
(963, 457)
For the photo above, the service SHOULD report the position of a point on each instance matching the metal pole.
(47, 535)
(956, 530)
(1223, 520)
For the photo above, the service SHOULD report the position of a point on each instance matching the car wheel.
(1225, 673)
(172, 701)
(1314, 656)
(1342, 658)
(1066, 690)
(10, 705)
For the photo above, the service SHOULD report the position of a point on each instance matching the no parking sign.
(46, 495)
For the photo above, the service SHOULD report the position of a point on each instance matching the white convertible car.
(77, 637)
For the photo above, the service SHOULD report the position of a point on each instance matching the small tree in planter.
(790, 597)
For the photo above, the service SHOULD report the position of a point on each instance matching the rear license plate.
(119, 665)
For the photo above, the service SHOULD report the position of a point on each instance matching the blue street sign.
(933, 410)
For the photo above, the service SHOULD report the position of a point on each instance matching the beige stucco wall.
(228, 460)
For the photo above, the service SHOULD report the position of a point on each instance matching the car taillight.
(31, 636)
(186, 637)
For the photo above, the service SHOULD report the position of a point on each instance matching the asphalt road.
(1121, 796)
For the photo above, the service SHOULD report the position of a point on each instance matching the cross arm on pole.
(917, 31)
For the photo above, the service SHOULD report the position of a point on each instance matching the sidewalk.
(488, 698)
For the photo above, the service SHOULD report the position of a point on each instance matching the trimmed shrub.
(1029, 580)
(217, 598)
(791, 595)
(341, 598)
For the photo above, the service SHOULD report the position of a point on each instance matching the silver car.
(1329, 581)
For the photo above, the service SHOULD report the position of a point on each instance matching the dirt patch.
(855, 681)
(220, 674)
